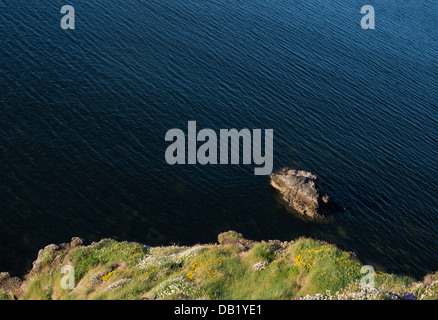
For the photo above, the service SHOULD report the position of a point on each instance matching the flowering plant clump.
(179, 286)
(355, 291)
(97, 277)
(331, 268)
(259, 266)
(358, 291)
(176, 256)
(117, 284)
(407, 295)
(108, 275)
(202, 267)
(4, 275)
(108, 250)
(422, 291)
(134, 253)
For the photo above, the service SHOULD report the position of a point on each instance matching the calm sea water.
(83, 115)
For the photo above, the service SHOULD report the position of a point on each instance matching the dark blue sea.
(84, 113)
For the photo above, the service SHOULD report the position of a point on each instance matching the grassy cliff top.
(233, 268)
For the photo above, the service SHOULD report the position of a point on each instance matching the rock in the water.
(304, 192)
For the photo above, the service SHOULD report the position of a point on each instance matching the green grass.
(236, 268)
(4, 295)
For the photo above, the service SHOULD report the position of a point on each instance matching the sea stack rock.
(304, 192)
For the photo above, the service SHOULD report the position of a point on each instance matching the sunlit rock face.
(304, 192)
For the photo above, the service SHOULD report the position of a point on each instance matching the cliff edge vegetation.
(233, 268)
